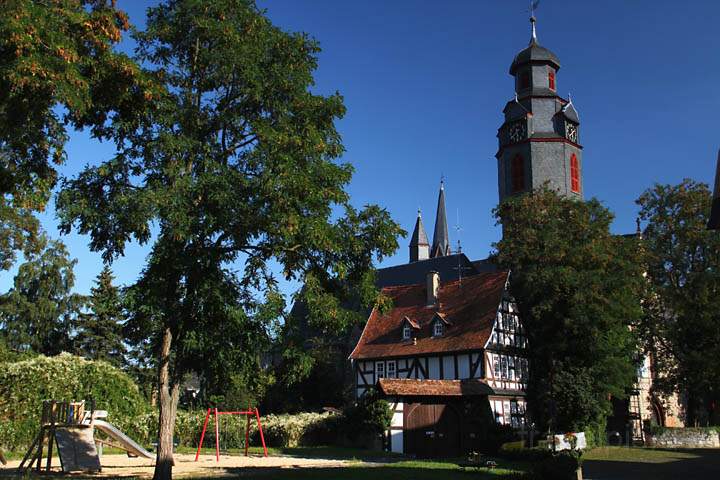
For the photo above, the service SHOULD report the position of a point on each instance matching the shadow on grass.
(683, 464)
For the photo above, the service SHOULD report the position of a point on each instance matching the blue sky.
(425, 82)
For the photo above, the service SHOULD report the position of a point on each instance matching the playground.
(120, 465)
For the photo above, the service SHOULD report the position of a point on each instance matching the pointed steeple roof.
(441, 239)
(419, 237)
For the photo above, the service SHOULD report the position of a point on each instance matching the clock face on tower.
(517, 131)
(571, 132)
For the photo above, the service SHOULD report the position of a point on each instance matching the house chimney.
(433, 286)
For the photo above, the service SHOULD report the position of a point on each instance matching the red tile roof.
(440, 388)
(469, 306)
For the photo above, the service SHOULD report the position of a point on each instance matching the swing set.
(215, 413)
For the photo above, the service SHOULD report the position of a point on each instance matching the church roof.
(448, 267)
(470, 306)
(419, 237)
(570, 113)
(441, 238)
(534, 53)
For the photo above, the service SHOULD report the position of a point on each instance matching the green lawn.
(638, 454)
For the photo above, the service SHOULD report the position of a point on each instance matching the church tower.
(538, 141)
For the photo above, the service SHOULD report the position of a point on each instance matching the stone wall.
(684, 438)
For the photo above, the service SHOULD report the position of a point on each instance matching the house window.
(379, 370)
(551, 79)
(496, 366)
(391, 372)
(504, 364)
(511, 368)
(517, 173)
(407, 332)
(574, 174)
(438, 329)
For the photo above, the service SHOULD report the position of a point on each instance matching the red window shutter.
(574, 174)
(517, 174)
(551, 79)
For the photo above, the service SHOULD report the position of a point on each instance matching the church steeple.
(441, 239)
(419, 246)
(538, 141)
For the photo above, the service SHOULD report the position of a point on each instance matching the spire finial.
(533, 6)
(442, 181)
(419, 213)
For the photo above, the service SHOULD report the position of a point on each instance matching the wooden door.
(432, 430)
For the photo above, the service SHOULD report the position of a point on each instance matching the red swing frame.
(248, 413)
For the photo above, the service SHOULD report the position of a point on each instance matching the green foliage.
(57, 68)
(559, 466)
(99, 331)
(24, 384)
(578, 289)
(236, 164)
(369, 415)
(39, 312)
(682, 322)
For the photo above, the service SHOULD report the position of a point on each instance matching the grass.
(638, 454)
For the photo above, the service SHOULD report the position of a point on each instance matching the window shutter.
(517, 174)
(574, 174)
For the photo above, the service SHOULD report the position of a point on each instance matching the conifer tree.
(99, 330)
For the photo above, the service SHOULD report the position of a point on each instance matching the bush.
(25, 384)
(369, 415)
(558, 466)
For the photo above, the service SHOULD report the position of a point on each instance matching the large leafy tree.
(99, 329)
(39, 312)
(237, 167)
(683, 322)
(578, 289)
(57, 69)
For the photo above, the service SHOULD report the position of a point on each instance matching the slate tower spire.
(538, 140)
(419, 246)
(441, 239)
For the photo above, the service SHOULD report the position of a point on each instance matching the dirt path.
(206, 466)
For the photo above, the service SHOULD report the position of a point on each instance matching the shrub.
(558, 466)
(369, 415)
(25, 384)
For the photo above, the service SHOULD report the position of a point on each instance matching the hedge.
(25, 384)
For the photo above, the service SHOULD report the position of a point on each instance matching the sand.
(206, 466)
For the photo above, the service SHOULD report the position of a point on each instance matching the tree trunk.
(168, 393)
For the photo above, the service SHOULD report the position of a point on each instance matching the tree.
(57, 69)
(682, 327)
(99, 331)
(39, 312)
(237, 166)
(578, 290)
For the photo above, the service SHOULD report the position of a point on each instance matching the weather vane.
(533, 6)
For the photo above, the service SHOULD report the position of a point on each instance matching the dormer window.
(408, 328)
(438, 329)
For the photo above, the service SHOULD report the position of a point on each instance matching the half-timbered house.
(446, 354)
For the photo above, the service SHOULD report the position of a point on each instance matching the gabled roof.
(412, 322)
(415, 272)
(469, 305)
(435, 388)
